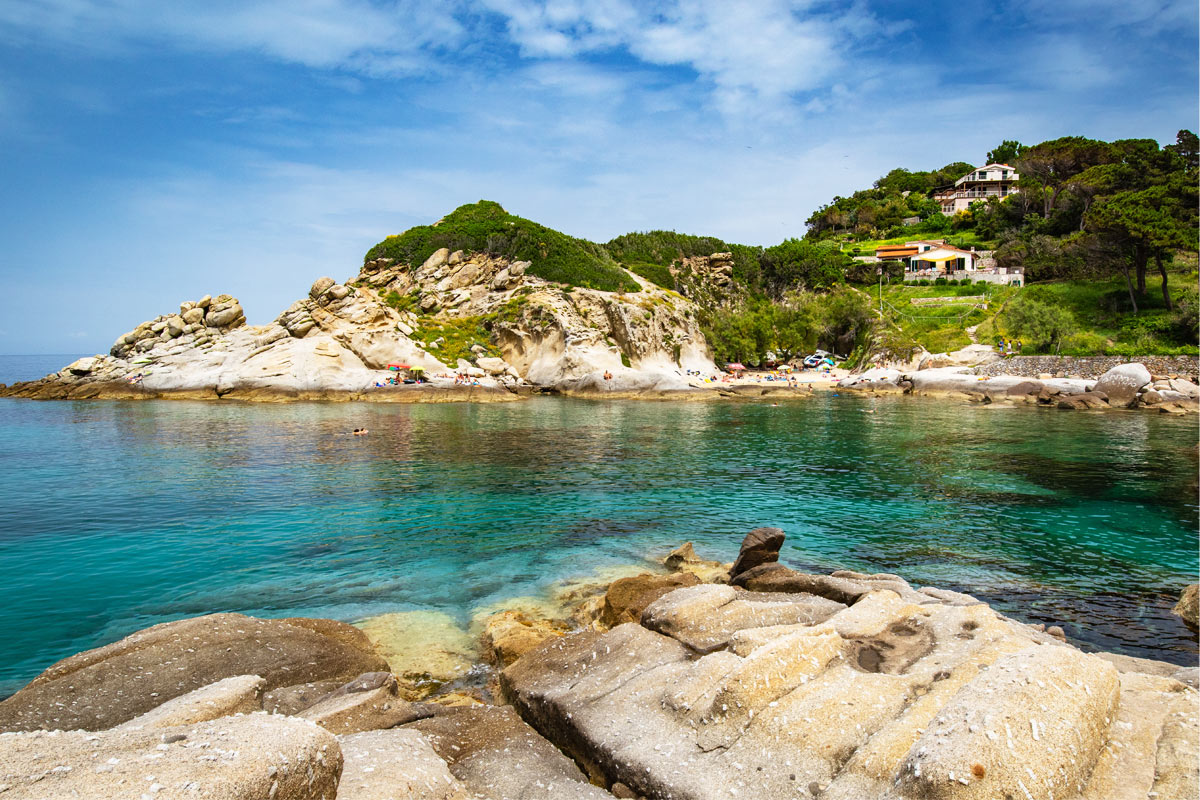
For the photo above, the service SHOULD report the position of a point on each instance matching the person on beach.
(360, 432)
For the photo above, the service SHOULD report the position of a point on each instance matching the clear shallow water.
(115, 516)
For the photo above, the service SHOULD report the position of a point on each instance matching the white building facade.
(992, 180)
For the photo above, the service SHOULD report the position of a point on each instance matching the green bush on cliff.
(485, 227)
(458, 336)
(665, 247)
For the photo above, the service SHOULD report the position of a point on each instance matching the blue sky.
(155, 152)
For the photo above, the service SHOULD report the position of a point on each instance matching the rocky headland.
(480, 328)
(706, 680)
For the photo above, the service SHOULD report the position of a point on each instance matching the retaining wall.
(1090, 367)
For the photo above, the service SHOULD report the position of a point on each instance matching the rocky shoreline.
(1124, 386)
(707, 681)
(477, 328)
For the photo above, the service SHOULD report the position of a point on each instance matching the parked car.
(816, 359)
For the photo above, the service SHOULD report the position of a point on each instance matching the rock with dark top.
(1083, 401)
(627, 598)
(1186, 609)
(1025, 389)
(761, 546)
(100, 688)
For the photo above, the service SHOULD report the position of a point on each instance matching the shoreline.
(671, 683)
(1170, 393)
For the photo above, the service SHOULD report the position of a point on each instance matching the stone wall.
(1090, 366)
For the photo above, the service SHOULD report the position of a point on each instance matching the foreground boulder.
(100, 688)
(893, 695)
(394, 764)
(234, 758)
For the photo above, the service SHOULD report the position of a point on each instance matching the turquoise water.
(115, 516)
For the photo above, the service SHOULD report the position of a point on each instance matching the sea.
(119, 515)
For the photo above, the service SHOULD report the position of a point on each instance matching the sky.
(156, 152)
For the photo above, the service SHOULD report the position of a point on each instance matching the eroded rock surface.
(100, 688)
(234, 758)
(891, 693)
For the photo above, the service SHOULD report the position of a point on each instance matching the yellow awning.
(936, 259)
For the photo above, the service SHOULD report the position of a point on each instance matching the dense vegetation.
(485, 227)
(1090, 222)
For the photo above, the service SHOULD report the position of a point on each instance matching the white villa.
(993, 180)
(930, 254)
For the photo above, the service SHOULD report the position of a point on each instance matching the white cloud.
(754, 52)
(353, 34)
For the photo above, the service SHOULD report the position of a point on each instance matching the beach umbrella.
(735, 367)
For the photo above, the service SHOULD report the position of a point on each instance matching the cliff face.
(549, 335)
(458, 313)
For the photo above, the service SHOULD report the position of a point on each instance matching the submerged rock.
(425, 649)
(100, 688)
(1188, 607)
(684, 559)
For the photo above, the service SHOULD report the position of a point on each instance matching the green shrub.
(485, 227)
(939, 281)
(406, 303)
(1045, 326)
(458, 337)
(625, 362)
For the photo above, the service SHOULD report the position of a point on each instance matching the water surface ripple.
(115, 516)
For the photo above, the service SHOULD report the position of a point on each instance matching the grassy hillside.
(485, 227)
(1100, 322)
